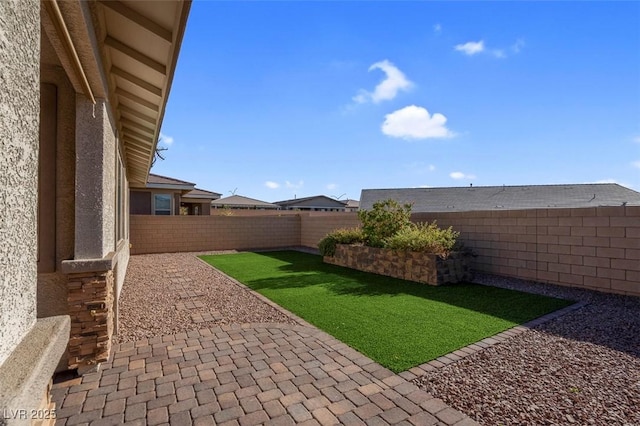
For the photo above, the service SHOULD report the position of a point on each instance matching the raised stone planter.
(407, 265)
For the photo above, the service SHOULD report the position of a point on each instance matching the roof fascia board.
(170, 186)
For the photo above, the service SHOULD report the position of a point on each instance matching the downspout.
(61, 28)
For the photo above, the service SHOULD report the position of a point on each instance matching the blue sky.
(276, 100)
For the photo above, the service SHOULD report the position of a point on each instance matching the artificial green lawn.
(399, 324)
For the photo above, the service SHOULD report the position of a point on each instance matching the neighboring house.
(198, 202)
(474, 198)
(315, 203)
(167, 196)
(84, 90)
(240, 202)
(352, 205)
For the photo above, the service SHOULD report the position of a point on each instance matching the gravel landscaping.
(582, 368)
(173, 292)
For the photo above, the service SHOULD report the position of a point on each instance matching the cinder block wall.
(315, 226)
(596, 248)
(167, 234)
(249, 212)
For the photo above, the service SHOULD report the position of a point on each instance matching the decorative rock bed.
(407, 265)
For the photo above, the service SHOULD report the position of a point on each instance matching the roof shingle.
(504, 197)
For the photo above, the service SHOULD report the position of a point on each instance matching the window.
(162, 204)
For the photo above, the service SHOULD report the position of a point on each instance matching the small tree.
(383, 221)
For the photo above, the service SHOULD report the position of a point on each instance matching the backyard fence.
(596, 248)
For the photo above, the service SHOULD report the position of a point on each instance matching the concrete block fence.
(169, 234)
(596, 248)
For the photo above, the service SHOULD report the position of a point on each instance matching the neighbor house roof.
(317, 201)
(504, 197)
(243, 202)
(352, 204)
(124, 51)
(164, 182)
(202, 194)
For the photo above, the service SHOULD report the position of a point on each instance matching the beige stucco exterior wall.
(19, 120)
(175, 197)
(52, 287)
(122, 248)
(95, 180)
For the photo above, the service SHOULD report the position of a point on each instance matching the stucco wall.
(109, 180)
(52, 287)
(19, 120)
(140, 202)
(95, 180)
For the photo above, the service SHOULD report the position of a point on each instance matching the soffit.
(140, 41)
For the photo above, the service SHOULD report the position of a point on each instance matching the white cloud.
(413, 122)
(498, 53)
(166, 139)
(271, 185)
(437, 28)
(517, 46)
(474, 47)
(636, 139)
(460, 175)
(432, 167)
(636, 164)
(332, 186)
(298, 185)
(470, 47)
(388, 88)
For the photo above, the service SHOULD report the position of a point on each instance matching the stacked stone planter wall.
(411, 266)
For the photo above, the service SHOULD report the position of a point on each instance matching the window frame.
(169, 210)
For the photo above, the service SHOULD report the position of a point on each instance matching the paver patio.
(246, 374)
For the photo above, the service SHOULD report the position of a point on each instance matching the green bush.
(327, 245)
(388, 225)
(385, 220)
(424, 237)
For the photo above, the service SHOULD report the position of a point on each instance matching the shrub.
(388, 225)
(424, 237)
(383, 221)
(327, 245)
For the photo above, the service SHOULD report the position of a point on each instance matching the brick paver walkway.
(253, 374)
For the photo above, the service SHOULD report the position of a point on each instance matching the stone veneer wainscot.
(90, 303)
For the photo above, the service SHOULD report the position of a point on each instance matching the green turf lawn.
(399, 324)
